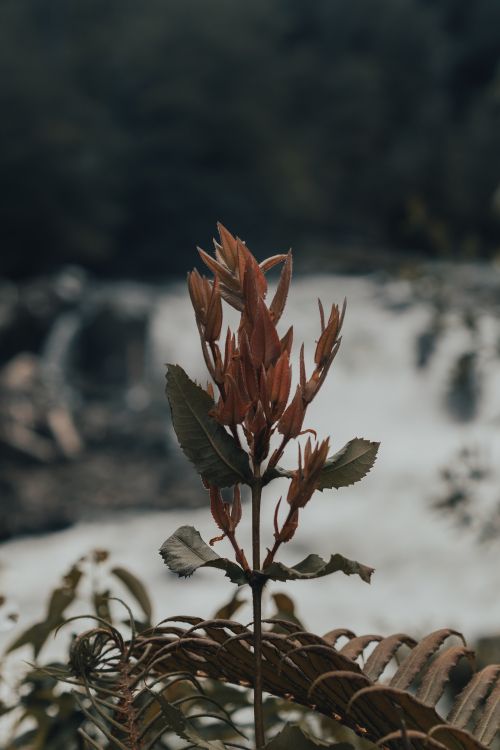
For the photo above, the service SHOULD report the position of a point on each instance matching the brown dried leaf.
(419, 657)
(419, 740)
(384, 652)
(454, 737)
(302, 667)
(382, 699)
(489, 722)
(357, 645)
(438, 673)
(472, 695)
(334, 635)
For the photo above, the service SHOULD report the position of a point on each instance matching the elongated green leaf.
(185, 551)
(100, 600)
(215, 454)
(350, 464)
(292, 736)
(177, 721)
(136, 588)
(59, 601)
(226, 611)
(35, 635)
(313, 566)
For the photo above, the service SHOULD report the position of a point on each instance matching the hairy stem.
(277, 454)
(238, 551)
(277, 541)
(128, 709)
(257, 586)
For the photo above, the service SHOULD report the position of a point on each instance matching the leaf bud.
(232, 408)
(227, 249)
(279, 300)
(289, 528)
(281, 379)
(213, 322)
(199, 291)
(290, 424)
(218, 509)
(264, 342)
(305, 479)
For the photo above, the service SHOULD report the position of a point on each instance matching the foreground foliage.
(133, 686)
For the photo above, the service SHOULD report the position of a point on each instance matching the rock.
(80, 436)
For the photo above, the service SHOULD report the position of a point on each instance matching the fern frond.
(309, 670)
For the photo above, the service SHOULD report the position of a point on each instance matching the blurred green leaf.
(35, 635)
(59, 601)
(177, 721)
(233, 605)
(285, 610)
(100, 600)
(292, 736)
(136, 588)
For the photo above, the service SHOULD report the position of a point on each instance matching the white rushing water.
(428, 573)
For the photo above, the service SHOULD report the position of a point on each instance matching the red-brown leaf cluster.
(252, 370)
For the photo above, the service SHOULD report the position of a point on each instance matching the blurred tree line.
(127, 128)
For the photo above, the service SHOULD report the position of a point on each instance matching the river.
(429, 572)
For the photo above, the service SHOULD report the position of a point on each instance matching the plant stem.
(239, 553)
(257, 585)
(256, 498)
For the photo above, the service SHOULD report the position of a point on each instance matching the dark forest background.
(128, 127)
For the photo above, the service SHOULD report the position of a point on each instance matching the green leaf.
(136, 588)
(215, 454)
(313, 566)
(277, 472)
(285, 610)
(177, 722)
(100, 600)
(185, 551)
(4, 709)
(350, 464)
(35, 635)
(226, 611)
(292, 736)
(60, 599)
